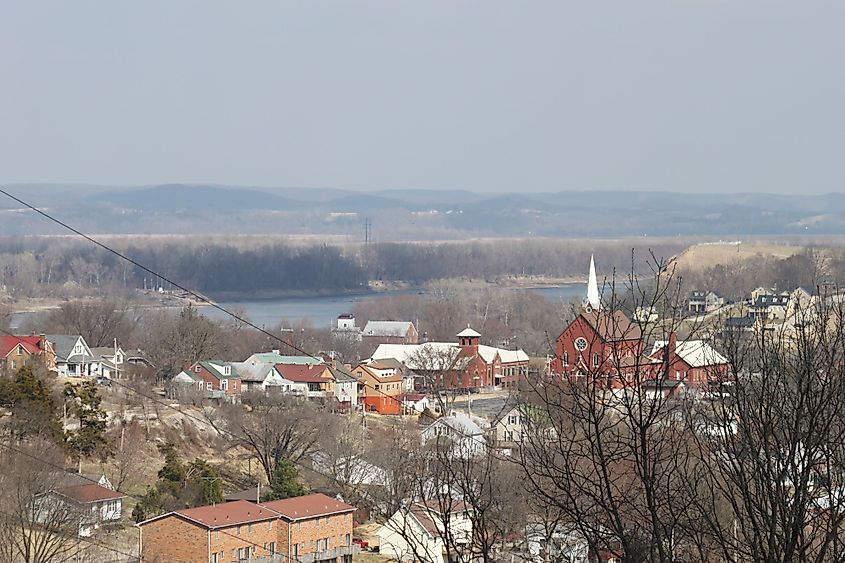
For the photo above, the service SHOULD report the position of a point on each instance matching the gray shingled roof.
(387, 328)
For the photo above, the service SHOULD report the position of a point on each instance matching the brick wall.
(173, 540)
(305, 533)
(257, 538)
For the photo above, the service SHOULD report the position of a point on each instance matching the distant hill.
(418, 214)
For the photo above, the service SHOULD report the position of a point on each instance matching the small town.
(373, 281)
(425, 450)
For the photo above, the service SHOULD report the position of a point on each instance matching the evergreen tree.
(206, 478)
(285, 482)
(35, 411)
(89, 439)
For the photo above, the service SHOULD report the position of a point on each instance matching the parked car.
(364, 545)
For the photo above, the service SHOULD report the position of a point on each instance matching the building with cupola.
(465, 364)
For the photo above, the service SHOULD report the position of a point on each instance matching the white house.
(258, 376)
(417, 532)
(458, 431)
(350, 470)
(108, 361)
(414, 402)
(345, 387)
(93, 504)
(566, 544)
(73, 356)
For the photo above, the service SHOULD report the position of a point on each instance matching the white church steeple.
(593, 299)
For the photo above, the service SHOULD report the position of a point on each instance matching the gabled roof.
(612, 326)
(252, 372)
(91, 492)
(396, 377)
(425, 512)
(215, 367)
(63, 347)
(460, 423)
(696, 353)
(299, 373)
(222, 515)
(342, 375)
(387, 328)
(31, 344)
(307, 506)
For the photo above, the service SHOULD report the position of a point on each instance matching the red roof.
(31, 344)
(89, 493)
(302, 373)
(308, 506)
(226, 514)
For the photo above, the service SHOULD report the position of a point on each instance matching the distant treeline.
(67, 267)
(494, 259)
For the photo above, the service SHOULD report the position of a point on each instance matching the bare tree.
(99, 322)
(773, 448)
(438, 369)
(36, 526)
(272, 428)
(602, 446)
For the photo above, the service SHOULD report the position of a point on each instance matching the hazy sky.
(486, 95)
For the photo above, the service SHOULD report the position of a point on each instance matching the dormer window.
(227, 370)
(198, 368)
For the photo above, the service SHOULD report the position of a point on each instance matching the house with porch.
(258, 376)
(314, 381)
(73, 356)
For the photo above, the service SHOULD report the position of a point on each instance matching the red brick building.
(694, 362)
(599, 343)
(215, 375)
(467, 364)
(310, 529)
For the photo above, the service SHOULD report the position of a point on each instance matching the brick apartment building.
(309, 529)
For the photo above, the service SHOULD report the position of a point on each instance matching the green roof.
(210, 366)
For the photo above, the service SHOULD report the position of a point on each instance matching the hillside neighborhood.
(466, 403)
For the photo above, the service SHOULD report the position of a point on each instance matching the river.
(322, 311)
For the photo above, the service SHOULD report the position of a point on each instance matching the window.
(198, 368)
(566, 358)
(348, 542)
(270, 525)
(224, 385)
(208, 385)
(239, 530)
(513, 419)
(249, 528)
(595, 360)
(508, 436)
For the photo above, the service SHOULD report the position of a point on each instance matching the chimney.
(671, 347)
